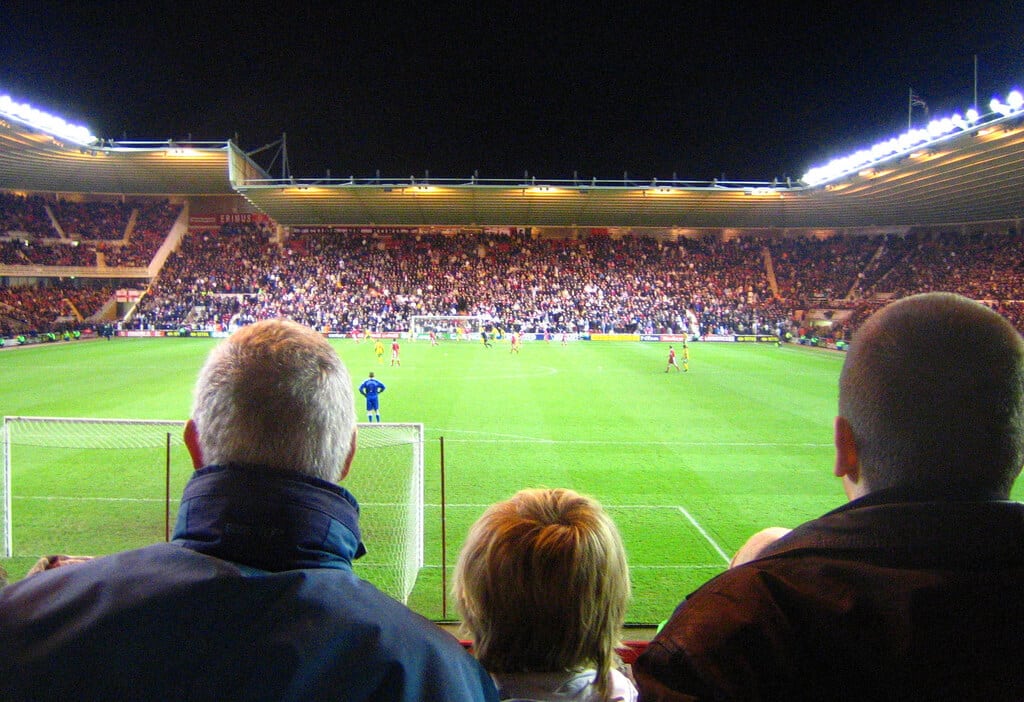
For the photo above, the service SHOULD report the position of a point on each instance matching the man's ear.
(192, 444)
(348, 461)
(848, 459)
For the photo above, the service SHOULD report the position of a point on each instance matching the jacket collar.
(269, 519)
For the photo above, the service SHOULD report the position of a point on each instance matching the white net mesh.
(387, 479)
(91, 433)
(95, 486)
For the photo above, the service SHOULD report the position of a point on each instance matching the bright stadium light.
(911, 140)
(997, 105)
(1013, 104)
(43, 121)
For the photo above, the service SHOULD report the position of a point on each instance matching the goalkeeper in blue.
(371, 389)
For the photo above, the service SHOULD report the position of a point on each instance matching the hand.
(756, 544)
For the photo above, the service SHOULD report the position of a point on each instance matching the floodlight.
(23, 112)
(911, 139)
(996, 105)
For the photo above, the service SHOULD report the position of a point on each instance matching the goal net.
(447, 326)
(387, 479)
(96, 486)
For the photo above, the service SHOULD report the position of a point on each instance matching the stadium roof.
(969, 176)
(35, 161)
(973, 173)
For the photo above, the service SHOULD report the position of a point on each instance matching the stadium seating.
(382, 277)
(634, 284)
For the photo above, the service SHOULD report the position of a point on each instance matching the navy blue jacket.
(255, 599)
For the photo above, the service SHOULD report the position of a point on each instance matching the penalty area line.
(705, 534)
(500, 439)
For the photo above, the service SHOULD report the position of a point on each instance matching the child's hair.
(542, 585)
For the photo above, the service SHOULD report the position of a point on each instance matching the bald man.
(914, 589)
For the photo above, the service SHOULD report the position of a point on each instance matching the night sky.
(748, 91)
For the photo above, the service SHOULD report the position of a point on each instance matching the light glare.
(910, 140)
(51, 124)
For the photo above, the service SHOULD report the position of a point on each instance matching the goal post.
(387, 479)
(448, 326)
(95, 486)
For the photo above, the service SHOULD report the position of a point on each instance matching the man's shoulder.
(340, 634)
(867, 551)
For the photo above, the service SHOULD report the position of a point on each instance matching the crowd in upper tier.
(594, 283)
(41, 232)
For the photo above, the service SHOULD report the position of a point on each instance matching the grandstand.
(84, 217)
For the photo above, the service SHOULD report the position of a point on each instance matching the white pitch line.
(706, 535)
(80, 498)
(632, 567)
(685, 513)
(431, 505)
(507, 437)
(596, 442)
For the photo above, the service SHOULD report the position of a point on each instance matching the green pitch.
(688, 464)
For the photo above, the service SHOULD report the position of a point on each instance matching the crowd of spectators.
(633, 284)
(979, 266)
(594, 283)
(28, 310)
(846, 257)
(93, 219)
(153, 221)
(28, 235)
(27, 252)
(209, 279)
(25, 215)
(380, 279)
